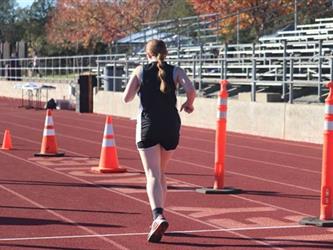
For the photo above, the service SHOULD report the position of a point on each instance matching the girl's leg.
(156, 188)
(151, 161)
(165, 157)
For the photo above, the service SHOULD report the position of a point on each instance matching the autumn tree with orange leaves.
(258, 15)
(86, 23)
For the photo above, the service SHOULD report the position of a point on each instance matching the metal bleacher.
(301, 57)
(293, 58)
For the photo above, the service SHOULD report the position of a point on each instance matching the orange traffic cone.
(108, 162)
(220, 144)
(325, 218)
(49, 143)
(7, 141)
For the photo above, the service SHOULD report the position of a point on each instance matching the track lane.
(127, 153)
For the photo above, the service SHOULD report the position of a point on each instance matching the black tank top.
(158, 121)
(153, 101)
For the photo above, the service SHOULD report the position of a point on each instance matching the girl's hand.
(188, 108)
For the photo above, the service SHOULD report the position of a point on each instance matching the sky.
(24, 3)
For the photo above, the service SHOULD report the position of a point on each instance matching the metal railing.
(51, 69)
(204, 69)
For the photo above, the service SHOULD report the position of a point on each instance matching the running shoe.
(157, 229)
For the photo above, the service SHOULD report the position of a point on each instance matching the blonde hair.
(158, 49)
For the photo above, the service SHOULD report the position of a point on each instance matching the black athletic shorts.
(158, 129)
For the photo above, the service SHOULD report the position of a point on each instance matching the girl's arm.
(132, 86)
(185, 82)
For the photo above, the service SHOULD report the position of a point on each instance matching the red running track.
(57, 203)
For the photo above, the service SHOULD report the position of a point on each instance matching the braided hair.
(158, 49)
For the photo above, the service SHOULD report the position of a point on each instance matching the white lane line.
(274, 164)
(251, 176)
(254, 149)
(139, 234)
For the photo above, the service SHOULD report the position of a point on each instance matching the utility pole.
(238, 24)
(295, 14)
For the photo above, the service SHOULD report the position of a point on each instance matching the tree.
(308, 10)
(7, 20)
(33, 21)
(252, 13)
(172, 9)
(87, 23)
(258, 15)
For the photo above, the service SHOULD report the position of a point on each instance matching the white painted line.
(69, 237)
(251, 176)
(139, 234)
(72, 168)
(244, 229)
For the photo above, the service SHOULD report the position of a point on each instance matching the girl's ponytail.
(162, 73)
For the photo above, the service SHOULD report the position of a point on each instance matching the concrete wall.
(61, 91)
(278, 120)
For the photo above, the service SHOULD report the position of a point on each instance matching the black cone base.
(49, 154)
(225, 190)
(315, 221)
